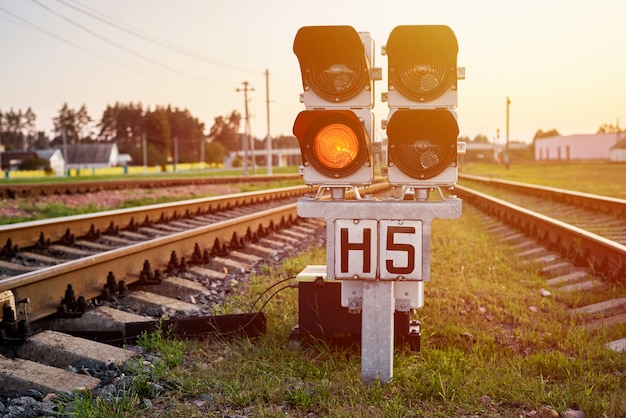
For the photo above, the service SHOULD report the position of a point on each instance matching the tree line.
(165, 132)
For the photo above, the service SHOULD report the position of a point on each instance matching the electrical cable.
(117, 45)
(267, 290)
(89, 11)
(79, 47)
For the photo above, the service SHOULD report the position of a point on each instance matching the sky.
(562, 64)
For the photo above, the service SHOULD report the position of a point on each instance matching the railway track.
(577, 239)
(111, 275)
(224, 237)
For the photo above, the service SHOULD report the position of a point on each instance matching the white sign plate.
(370, 249)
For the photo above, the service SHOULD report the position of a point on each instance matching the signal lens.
(422, 143)
(333, 142)
(332, 61)
(336, 80)
(422, 63)
(336, 146)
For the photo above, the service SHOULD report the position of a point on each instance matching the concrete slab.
(287, 238)
(532, 252)
(618, 345)
(272, 243)
(176, 287)
(259, 250)
(144, 300)
(586, 286)
(22, 375)
(61, 350)
(606, 308)
(102, 318)
(499, 228)
(559, 269)
(569, 278)
(295, 234)
(207, 272)
(248, 259)
(545, 259)
(611, 321)
(229, 264)
(522, 245)
(513, 237)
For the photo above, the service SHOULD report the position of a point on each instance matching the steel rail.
(605, 204)
(88, 275)
(605, 257)
(26, 234)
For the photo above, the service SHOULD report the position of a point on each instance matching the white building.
(576, 147)
(618, 151)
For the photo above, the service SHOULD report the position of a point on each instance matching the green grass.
(590, 177)
(40, 210)
(492, 346)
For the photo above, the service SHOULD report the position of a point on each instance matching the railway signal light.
(335, 130)
(422, 129)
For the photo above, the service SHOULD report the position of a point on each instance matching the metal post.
(246, 136)
(377, 334)
(144, 144)
(64, 134)
(268, 138)
(175, 154)
(506, 154)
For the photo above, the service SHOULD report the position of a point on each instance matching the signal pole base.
(377, 337)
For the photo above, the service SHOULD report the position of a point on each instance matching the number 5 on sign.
(400, 254)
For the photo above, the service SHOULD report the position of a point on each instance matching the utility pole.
(246, 136)
(268, 138)
(64, 134)
(144, 145)
(506, 153)
(175, 154)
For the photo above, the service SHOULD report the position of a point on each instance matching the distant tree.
(74, 124)
(225, 130)
(285, 142)
(214, 152)
(542, 134)
(188, 131)
(158, 139)
(11, 135)
(546, 134)
(41, 141)
(34, 163)
(122, 122)
(608, 128)
(480, 139)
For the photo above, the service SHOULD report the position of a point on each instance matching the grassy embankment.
(492, 346)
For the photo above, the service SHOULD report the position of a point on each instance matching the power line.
(115, 44)
(75, 45)
(89, 11)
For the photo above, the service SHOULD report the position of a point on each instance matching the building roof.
(89, 153)
(621, 144)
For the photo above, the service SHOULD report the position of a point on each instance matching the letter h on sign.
(355, 256)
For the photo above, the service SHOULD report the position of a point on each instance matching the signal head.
(335, 66)
(422, 70)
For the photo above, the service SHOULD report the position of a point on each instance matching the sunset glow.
(560, 62)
